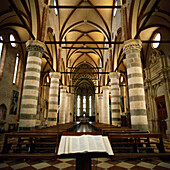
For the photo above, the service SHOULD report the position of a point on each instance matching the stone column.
(63, 104)
(29, 101)
(97, 110)
(106, 114)
(67, 108)
(100, 107)
(53, 98)
(115, 98)
(132, 49)
(110, 60)
(71, 100)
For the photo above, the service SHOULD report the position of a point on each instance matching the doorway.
(162, 113)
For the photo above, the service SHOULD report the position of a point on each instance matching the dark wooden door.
(162, 113)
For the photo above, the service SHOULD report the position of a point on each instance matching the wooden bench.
(22, 144)
(137, 145)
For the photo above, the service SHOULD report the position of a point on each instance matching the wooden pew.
(137, 145)
(24, 145)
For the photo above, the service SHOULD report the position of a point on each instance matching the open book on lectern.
(84, 143)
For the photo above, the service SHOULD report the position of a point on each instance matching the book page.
(67, 141)
(74, 144)
(61, 149)
(96, 144)
(83, 143)
(107, 145)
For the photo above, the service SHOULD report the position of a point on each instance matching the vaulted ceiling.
(85, 25)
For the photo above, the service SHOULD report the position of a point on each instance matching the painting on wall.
(14, 103)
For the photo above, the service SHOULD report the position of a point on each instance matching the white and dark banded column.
(132, 49)
(31, 85)
(53, 98)
(115, 98)
(100, 107)
(63, 104)
(67, 108)
(106, 114)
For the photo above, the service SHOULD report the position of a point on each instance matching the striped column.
(106, 115)
(132, 49)
(100, 107)
(115, 98)
(53, 98)
(63, 104)
(31, 85)
(67, 109)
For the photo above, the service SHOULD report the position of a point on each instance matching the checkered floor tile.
(97, 164)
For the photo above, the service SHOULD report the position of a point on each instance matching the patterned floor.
(97, 164)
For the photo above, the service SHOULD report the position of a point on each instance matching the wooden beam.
(87, 42)
(96, 48)
(91, 7)
(84, 68)
(85, 73)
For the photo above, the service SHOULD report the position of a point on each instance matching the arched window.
(78, 105)
(1, 48)
(12, 38)
(90, 105)
(115, 9)
(157, 37)
(16, 69)
(84, 103)
(55, 4)
(48, 79)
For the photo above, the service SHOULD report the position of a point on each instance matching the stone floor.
(97, 164)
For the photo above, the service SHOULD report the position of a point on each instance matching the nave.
(118, 163)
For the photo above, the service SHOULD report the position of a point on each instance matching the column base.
(22, 129)
(51, 123)
(140, 127)
(168, 129)
(153, 126)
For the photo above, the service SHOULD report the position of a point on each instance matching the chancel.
(99, 68)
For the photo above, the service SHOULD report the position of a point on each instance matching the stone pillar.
(132, 49)
(110, 60)
(115, 98)
(53, 98)
(97, 110)
(67, 108)
(71, 100)
(106, 114)
(29, 101)
(63, 104)
(100, 107)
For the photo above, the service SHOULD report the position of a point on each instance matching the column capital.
(55, 75)
(68, 94)
(105, 87)
(114, 75)
(63, 88)
(100, 95)
(132, 44)
(35, 45)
